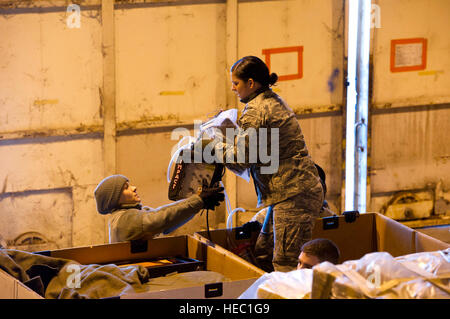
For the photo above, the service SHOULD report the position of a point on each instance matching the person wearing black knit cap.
(130, 220)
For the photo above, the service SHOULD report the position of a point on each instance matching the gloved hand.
(253, 226)
(212, 196)
(245, 231)
(350, 216)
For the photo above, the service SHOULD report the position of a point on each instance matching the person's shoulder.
(272, 101)
(263, 97)
(261, 104)
(270, 94)
(128, 210)
(275, 108)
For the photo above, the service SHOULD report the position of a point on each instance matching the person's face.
(129, 195)
(306, 261)
(242, 88)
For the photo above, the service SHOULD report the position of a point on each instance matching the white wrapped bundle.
(376, 275)
(379, 275)
(295, 284)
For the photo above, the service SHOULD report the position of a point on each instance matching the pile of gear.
(377, 275)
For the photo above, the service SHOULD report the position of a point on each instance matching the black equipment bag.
(189, 178)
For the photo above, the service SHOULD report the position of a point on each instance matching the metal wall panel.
(35, 174)
(170, 63)
(318, 27)
(42, 218)
(34, 166)
(50, 74)
(410, 110)
(403, 19)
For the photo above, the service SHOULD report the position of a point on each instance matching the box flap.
(220, 260)
(110, 253)
(427, 243)
(11, 288)
(394, 237)
(354, 240)
(221, 237)
(230, 290)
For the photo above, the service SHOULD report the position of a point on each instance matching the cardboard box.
(216, 259)
(371, 232)
(11, 288)
(441, 232)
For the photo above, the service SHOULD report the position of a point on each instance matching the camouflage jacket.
(294, 172)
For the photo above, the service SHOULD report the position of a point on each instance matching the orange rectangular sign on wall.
(298, 49)
(408, 54)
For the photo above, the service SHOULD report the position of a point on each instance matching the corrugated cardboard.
(424, 243)
(440, 232)
(10, 288)
(217, 259)
(371, 232)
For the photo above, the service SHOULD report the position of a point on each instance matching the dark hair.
(322, 248)
(253, 67)
(322, 177)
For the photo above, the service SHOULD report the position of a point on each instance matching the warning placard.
(408, 54)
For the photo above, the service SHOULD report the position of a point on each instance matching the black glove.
(253, 226)
(246, 230)
(212, 196)
(350, 216)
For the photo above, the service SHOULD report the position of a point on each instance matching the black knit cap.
(107, 193)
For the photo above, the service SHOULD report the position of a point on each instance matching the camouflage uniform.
(294, 190)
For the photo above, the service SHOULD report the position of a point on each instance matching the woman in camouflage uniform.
(293, 192)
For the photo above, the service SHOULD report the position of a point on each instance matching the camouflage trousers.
(290, 227)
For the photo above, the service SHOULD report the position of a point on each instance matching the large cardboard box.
(371, 232)
(10, 288)
(441, 232)
(241, 274)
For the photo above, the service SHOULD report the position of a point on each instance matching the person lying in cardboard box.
(130, 220)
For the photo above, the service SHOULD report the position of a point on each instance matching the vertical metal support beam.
(232, 102)
(357, 105)
(362, 106)
(351, 105)
(109, 94)
(109, 88)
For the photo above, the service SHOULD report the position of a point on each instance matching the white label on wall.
(408, 54)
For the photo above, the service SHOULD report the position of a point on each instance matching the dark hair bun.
(253, 67)
(273, 78)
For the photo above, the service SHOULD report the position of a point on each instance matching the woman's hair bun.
(273, 78)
